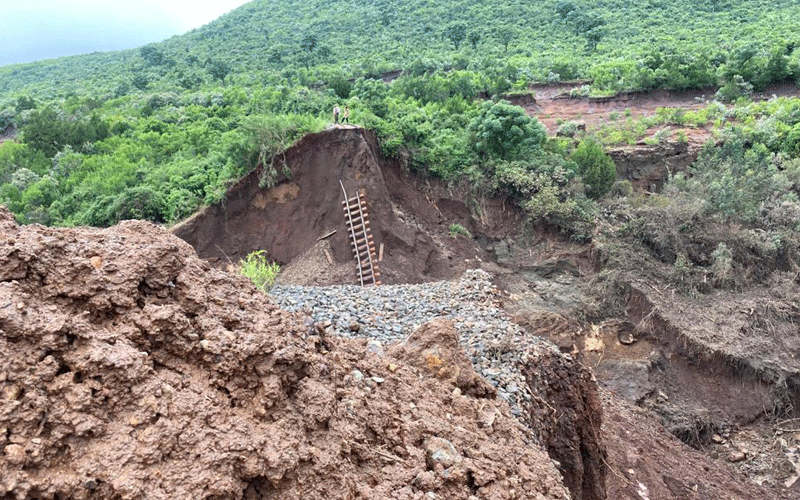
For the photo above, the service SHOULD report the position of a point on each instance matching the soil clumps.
(132, 369)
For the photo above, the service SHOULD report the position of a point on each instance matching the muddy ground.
(131, 369)
(678, 394)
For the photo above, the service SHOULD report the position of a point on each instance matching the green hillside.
(620, 44)
(159, 131)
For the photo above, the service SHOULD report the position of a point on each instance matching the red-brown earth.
(133, 370)
(543, 277)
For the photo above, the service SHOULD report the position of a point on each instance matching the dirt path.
(554, 105)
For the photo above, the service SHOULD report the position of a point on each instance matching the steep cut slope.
(288, 219)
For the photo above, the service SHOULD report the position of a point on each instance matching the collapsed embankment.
(131, 369)
(299, 213)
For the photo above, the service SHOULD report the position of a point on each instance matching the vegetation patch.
(260, 270)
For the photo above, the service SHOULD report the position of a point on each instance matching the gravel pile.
(389, 313)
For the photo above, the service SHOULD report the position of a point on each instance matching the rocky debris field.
(495, 345)
(132, 370)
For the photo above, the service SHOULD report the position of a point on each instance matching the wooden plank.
(354, 208)
(363, 248)
(380, 253)
(363, 239)
(327, 235)
(328, 256)
(354, 203)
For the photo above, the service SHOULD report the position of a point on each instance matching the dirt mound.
(131, 369)
(304, 207)
(646, 462)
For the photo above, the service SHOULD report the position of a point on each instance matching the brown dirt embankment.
(133, 370)
(409, 217)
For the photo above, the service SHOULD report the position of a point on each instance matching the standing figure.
(346, 115)
(336, 113)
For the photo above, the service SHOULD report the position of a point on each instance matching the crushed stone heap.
(130, 369)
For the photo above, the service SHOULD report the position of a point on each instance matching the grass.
(457, 230)
(260, 270)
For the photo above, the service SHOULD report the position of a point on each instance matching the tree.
(504, 34)
(505, 131)
(372, 93)
(137, 202)
(342, 86)
(309, 43)
(563, 9)
(140, 81)
(190, 81)
(596, 168)
(456, 33)
(25, 103)
(219, 70)
(46, 131)
(474, 38)
(593, 37)
(583, 22)
(152, 55)
(324, 53)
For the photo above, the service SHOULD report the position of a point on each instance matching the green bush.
(735, 88)
(722, 265)
(596, 168)
(259, 270)
(138, 202)
(457, 230)
(505, 131)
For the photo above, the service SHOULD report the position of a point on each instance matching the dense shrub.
(505, 131)
(260, 270)
(596, 168)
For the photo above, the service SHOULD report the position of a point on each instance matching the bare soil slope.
(131, 369)
(288, 219)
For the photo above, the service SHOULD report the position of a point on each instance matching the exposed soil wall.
(570, 414)
(411, 221)
(649, 167)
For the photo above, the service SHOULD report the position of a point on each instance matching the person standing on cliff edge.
(336, 113)
(346, 115)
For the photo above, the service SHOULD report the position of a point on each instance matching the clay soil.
(131, 369)
(658, 427)
(135, 370)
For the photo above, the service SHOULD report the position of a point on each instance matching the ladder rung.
(354, 204)
(363, 239)
(363, 248)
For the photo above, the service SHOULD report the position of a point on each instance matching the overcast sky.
(41, 29)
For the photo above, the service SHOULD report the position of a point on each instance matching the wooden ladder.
(355, 214)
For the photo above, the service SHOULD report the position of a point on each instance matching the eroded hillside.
(648, 353)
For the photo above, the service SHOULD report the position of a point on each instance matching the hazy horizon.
(44, 29)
